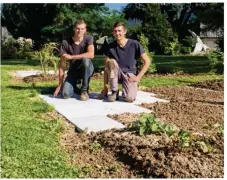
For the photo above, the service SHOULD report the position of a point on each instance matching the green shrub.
(9, 49)
(173, 48)
(186, 50)
(16, 48)
(216, 61)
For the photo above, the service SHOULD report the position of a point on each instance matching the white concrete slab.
(96, 123)
(92, 114)
(25, 73)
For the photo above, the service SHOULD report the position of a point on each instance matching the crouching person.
(78, 50)
(121, 65)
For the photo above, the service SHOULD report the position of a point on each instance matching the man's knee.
(85, 62)
(111, 64)
(66, 92)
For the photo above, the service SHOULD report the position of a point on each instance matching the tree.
(153, 25)
(27, 20)
(51, 22)
(212, 17)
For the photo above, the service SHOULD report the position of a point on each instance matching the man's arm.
(146, 63)
(89, 54)
(61, 75)
(62, 67)
(105, 88)
(105, 75)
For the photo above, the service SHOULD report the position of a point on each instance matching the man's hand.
(134, 79)
(103, 93)
(57, 90)
(67, 56)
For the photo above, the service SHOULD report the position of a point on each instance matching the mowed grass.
(30, 145)
(187, 64)
(171, 64)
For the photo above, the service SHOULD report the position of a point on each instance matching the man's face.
(80, 30)
(119, 32)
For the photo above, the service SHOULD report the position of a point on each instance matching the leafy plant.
(184, 138)
(205, 148)
(219, 127)
(149, 124)
(47, 57)
(95, 146)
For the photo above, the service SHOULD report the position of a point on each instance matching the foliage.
(53, 22)
(220, 42)
(9, 50)
(16, 48)
(28, 20)
(208, 15)
(47, 56)
(145, 43)
(153, 24)
(173, 48)
(182, 17)
(188, 43)
(217, 61)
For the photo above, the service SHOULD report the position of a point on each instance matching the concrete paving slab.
(96, 123)
(92, 114)
(25, 73)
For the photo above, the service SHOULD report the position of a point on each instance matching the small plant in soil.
(149, 124)
(219, 127)
(47, 57)
(184, 138)
(95, 146)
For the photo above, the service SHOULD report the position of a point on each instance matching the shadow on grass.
(23, 62)
(39, 89)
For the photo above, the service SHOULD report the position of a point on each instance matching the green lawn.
(187, 64)
(30, 145)
(170, 64)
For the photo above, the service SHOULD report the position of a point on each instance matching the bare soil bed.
(40, 78)
(125, 154)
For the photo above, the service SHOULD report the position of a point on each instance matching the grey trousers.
(115, 76)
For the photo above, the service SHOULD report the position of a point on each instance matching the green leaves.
(149, 124)
(47, 57)
(184, 138)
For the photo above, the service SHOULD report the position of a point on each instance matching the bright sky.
(117, 6)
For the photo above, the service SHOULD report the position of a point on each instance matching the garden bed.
(126, 154)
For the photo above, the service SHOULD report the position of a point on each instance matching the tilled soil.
(217, 85)
(40, 78)
(125, 154)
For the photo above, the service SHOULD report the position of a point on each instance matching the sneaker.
(84, 96)
(114, 96)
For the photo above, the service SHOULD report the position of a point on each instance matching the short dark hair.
(119, 24)
(80, 21)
